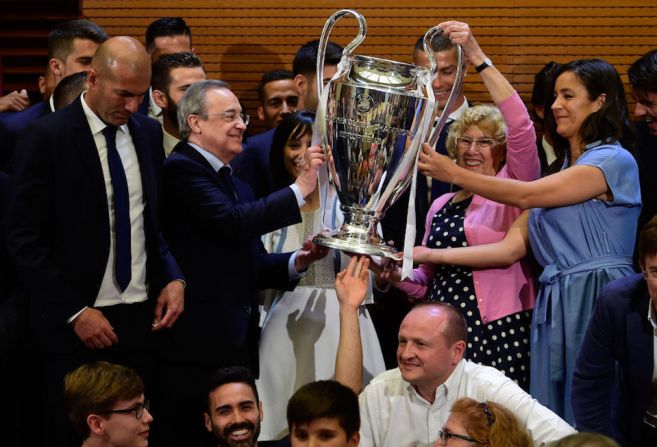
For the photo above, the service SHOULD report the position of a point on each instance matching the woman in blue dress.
(582, 222)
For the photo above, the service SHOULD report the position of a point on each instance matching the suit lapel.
(83, 142)
(192, 153)
(640, 334)
(146, 168)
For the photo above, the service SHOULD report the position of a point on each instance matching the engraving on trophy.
(364, 103)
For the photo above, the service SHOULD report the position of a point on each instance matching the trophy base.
(342, 240)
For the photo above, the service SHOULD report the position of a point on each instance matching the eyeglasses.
(137, 410)
(484, 143)
(231, 116)
(446, 435)
(650, 274)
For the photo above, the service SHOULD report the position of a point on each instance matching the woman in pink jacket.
(496, 302)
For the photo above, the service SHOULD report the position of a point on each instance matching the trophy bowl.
(376, 114)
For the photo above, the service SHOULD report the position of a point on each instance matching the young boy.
(324, 414)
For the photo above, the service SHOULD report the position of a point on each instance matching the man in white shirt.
(83, 230)
(408, 406)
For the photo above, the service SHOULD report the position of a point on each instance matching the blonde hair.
(486, 117)
(491, 423)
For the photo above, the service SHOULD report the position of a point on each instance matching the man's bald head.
(124, 52)
(118, 80)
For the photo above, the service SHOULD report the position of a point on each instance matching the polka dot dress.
(503, 343)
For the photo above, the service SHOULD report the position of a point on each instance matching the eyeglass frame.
(137, 410)
(649, 274)
(445, 435)
(230, 115)
(482, 143)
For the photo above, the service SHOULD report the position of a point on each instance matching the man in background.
(166, 35)
(71, 46)
(278, 97)
(253, 165)
(172, 76)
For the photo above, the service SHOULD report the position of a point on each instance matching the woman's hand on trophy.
(435, 165)
(308, 165)
(460, 33)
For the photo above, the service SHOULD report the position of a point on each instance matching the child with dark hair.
(324, 410)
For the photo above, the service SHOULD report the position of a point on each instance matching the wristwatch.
(484, 65)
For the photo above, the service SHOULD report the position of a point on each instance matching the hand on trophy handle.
(308, 165)
(460, 33)
(435, 165)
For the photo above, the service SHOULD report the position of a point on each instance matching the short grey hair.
(193, 103)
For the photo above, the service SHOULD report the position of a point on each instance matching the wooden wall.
(240, 39)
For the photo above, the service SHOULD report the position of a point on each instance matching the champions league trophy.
(372, 119)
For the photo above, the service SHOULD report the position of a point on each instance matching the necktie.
(123, 258)
(439, 188)
(224, 175)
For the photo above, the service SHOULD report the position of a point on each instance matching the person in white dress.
(300, 330)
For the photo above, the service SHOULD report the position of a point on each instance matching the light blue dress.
(581, 248)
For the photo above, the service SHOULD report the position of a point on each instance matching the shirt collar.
(456, 114)
(51, 103)
(95, 123)
(210, 157)
(155, 109)
(593, 144)
(652, 315)
(452, 383)
(448, 389)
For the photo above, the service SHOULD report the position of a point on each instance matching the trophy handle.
(346, 52)
(456, 88)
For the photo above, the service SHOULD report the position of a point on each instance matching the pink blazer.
(504, 291)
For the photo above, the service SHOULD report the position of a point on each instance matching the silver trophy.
(375, 118)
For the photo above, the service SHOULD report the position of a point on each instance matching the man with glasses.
(214, 223)
(619, 353)
(106, 405)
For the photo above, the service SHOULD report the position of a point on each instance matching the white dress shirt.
(169, 142)
(109, 293)
(393, 414)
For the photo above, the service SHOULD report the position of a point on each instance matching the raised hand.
(435, 165)
(351, 283)
(308, 165)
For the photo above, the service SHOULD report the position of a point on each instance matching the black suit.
(12, 125)
(215, 235)
(617, 351)
(59, 237)
(252, 165)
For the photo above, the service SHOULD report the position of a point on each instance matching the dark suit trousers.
(132, 325)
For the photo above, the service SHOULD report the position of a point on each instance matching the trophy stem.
(358, 235)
